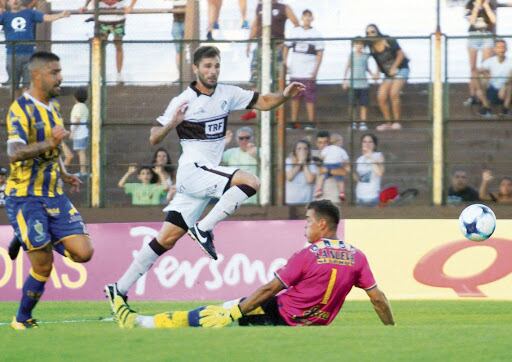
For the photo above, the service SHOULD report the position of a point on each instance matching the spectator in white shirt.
(303, 59)
(496, 73)
(300, 174)
(334, 163)
(369, 172)
(79, 129)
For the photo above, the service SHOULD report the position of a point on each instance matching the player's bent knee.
(83, 257)
(43, 269)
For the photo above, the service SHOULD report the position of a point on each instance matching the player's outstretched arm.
(19, 151)
(381, 306)
(261, 295)
(269, 101)
(216, 316)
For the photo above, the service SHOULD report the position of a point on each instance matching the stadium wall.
(411, 259)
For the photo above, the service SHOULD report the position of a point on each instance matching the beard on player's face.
(209, 82)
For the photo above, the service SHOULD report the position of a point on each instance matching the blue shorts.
(369, 203)
(402, 73)
(38, 221)
(493, 95)
(333, 166)
(481, 40)
(361, 96)
(80, 143)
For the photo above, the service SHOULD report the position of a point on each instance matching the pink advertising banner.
(249, 253)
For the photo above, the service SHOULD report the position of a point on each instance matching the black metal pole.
(438, 16)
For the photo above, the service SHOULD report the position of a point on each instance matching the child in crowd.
(333, 156)
(79, 129)
(144, 192)
(358, 65)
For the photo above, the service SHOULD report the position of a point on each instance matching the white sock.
(230, 303)
(145, 321)
(226, 206)
(139, 266)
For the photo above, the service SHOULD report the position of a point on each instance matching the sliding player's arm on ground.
(270, 101)
(381, 305)
(217, 316)
(172, 117)
(261, 295)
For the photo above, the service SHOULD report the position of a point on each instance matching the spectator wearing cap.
(3, 182)
(244, 156)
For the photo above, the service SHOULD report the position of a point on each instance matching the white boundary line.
(100, 319)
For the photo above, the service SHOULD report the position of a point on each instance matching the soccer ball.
(477, 222)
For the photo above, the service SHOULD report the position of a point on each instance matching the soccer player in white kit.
(199, 115)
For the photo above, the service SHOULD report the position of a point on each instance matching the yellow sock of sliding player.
(178, 319)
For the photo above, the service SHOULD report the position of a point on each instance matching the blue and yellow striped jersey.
(30, 121)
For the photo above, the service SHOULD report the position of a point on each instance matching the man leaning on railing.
(19, 24)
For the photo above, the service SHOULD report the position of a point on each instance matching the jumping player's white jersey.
(203, 129)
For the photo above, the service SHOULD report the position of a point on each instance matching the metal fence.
(130, 107)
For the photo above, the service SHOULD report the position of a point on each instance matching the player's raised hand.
(487, 176)
(214, 316)
(132, 168)
(179, 116)
(293, 89)
(58, 134)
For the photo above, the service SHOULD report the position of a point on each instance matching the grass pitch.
(425, 331)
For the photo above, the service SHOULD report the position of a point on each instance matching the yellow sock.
(257, 311)
(172, 319)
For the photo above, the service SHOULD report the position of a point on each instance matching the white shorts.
(196, 185)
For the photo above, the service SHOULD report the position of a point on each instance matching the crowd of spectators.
(321, 173)
(156, 180)
(310, 173)
(460, 191)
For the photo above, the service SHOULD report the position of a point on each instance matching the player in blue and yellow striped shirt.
(41, 215)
